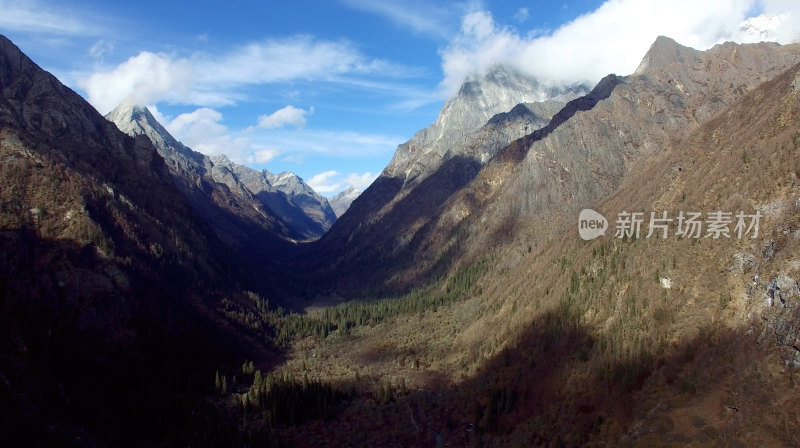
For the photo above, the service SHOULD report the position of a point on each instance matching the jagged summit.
(290, 182)
(498, 91)
(665, 51)
(135, 119)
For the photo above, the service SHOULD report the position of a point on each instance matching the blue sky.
(328, 89)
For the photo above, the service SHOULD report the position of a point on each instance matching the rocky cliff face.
(280, 204)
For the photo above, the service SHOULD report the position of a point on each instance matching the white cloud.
(333, 181)
(203, 131)
(100, 48)
(289, 115)
(341, 143)
(418, 16)
(36, 17)
(297, 57)
(611, 39)
(295, 158)
(324, 182)
(522, 15)
(298, 146)
(360, 181)
(265, 155)
(214, 80)
(142, 79)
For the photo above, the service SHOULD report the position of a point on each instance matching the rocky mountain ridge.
(282, 204)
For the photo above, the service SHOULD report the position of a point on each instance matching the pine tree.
(258, 380)
(379, 394)
(387, 393)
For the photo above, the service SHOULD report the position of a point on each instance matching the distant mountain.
(341, 201)
(282, 204)
(303, 196)
(287, 195)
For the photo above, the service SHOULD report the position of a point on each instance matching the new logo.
(591, 224)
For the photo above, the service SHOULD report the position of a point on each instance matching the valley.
(152, 295)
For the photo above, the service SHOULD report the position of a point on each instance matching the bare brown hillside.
(579, 343)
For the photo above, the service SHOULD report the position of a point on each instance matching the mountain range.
(282, 204)
(535, 160)
(153, 295)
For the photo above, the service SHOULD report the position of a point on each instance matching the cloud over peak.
(333, 181)
(611, 39)
(142, 79)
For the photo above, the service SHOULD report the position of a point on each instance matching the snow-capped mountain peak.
(341, 202)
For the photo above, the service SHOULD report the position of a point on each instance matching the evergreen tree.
(258, 380)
